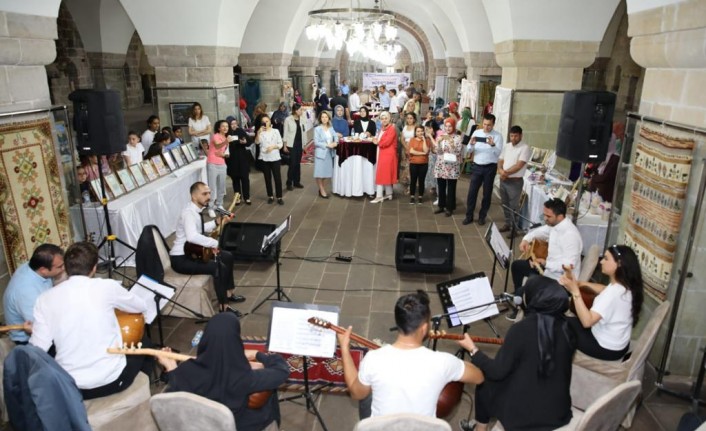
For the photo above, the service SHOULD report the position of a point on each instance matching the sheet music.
(279, 231)
(499, 246)
(291, 333)
(472, 293)
(148, 296)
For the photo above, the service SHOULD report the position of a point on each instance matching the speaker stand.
(110, 238)
(577, 202)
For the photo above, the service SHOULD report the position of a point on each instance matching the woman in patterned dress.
(447, 167)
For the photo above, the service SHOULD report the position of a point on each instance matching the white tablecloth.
(159, 203)
(355, 177)
(592, 227)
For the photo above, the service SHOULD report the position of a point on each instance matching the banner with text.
(389, 80)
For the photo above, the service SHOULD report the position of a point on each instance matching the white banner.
(389, 80)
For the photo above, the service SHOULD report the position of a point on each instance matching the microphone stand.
(513, 233)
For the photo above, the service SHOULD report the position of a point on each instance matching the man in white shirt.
(565, 245)
(486, 145)
(406, 377)
(511, 168)
(384, 98)
(394, 105)
(78, 317)
(191, 228)
(402, 98)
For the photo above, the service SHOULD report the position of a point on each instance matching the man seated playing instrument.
(406, 377)
(78, 316)
(565, 247)
(191, 228)
(29, 281)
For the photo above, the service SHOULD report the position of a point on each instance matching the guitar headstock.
(317, 321)
(125, 348)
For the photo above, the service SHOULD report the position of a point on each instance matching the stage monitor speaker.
(585, 125)
(98, 122)
(244, 240)
(424, 252)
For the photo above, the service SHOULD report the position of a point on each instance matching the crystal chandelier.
(368, 31)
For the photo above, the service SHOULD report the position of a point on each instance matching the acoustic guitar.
(206, 254)
(538, 249)
(450, 396)
(132, 326)
(255, 400)
(11, 328)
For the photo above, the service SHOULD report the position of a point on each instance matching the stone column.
(481, 64)
(306, 68)
(199, 67)
(540, 65)
(669, 43)
(326, 65)
(108, 72)
(26, 46)
(456, 66)
(271, 69)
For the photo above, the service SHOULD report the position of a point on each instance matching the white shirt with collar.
(565, 245)
(484, 152)
(78, 316)
(188, 228)
(354, 102)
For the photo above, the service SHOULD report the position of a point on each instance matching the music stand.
(501, 252)
(291, 333)
(461, 289)
(150, 287)
(269, 241)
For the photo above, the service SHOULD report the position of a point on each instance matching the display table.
(592, 227)
(354, 168)
(159, 203)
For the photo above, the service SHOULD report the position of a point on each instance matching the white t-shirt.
(512, 153)
(614, 304)
(408, 381)
(394, 104)
(201, 124)
(354, 102)
(134, 153)
(147, 138)
(78, 315)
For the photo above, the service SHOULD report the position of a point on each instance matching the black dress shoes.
(439, 211)
(481, 221)
(298, 186)
(467, 221)
(236, 298)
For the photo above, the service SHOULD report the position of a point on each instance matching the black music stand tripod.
(269, 241)
(308, 394)
(513, 234)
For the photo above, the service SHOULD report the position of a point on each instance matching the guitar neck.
(151, 352)
(355, 337)
(11, 328)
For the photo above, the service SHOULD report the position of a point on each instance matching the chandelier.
(368, 31)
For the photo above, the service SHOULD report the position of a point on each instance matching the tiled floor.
(367, 288)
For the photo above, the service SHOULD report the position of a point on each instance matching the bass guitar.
(206, 254)
(450, 396)
(255, 400)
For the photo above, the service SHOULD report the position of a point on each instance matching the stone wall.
(71, 69)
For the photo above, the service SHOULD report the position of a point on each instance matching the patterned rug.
(308, 153)
(322, 371)
(32, 208)
(660, 180)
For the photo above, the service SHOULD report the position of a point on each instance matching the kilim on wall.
(32, 208)
(660, 179)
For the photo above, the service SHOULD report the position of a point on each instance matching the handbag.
(450, 158)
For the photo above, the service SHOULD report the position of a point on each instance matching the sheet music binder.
(443, 291)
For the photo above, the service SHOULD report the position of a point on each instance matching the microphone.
(223, 212)
(511, 300)
(535, 225)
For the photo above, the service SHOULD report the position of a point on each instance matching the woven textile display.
(322, 371)
(660, 180)
(32, 208)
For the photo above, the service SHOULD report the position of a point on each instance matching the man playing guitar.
(406, 377)
(191, 228)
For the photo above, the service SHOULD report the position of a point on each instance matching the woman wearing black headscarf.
(221, 372)
(527, 383)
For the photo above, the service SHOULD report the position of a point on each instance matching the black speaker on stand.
(585, 129)
(428, 252)
(100, 130)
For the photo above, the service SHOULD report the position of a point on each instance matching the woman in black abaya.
(222, 372)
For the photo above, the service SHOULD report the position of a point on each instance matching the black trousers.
(241, 185)
(586, 343)
(221, 269)
(446, 190)
(417, 174)
(135, 364)
(481, 175)
(520, 270)
(294, 172)
(273, 169)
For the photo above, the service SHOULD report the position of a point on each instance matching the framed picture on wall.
(180, 112)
